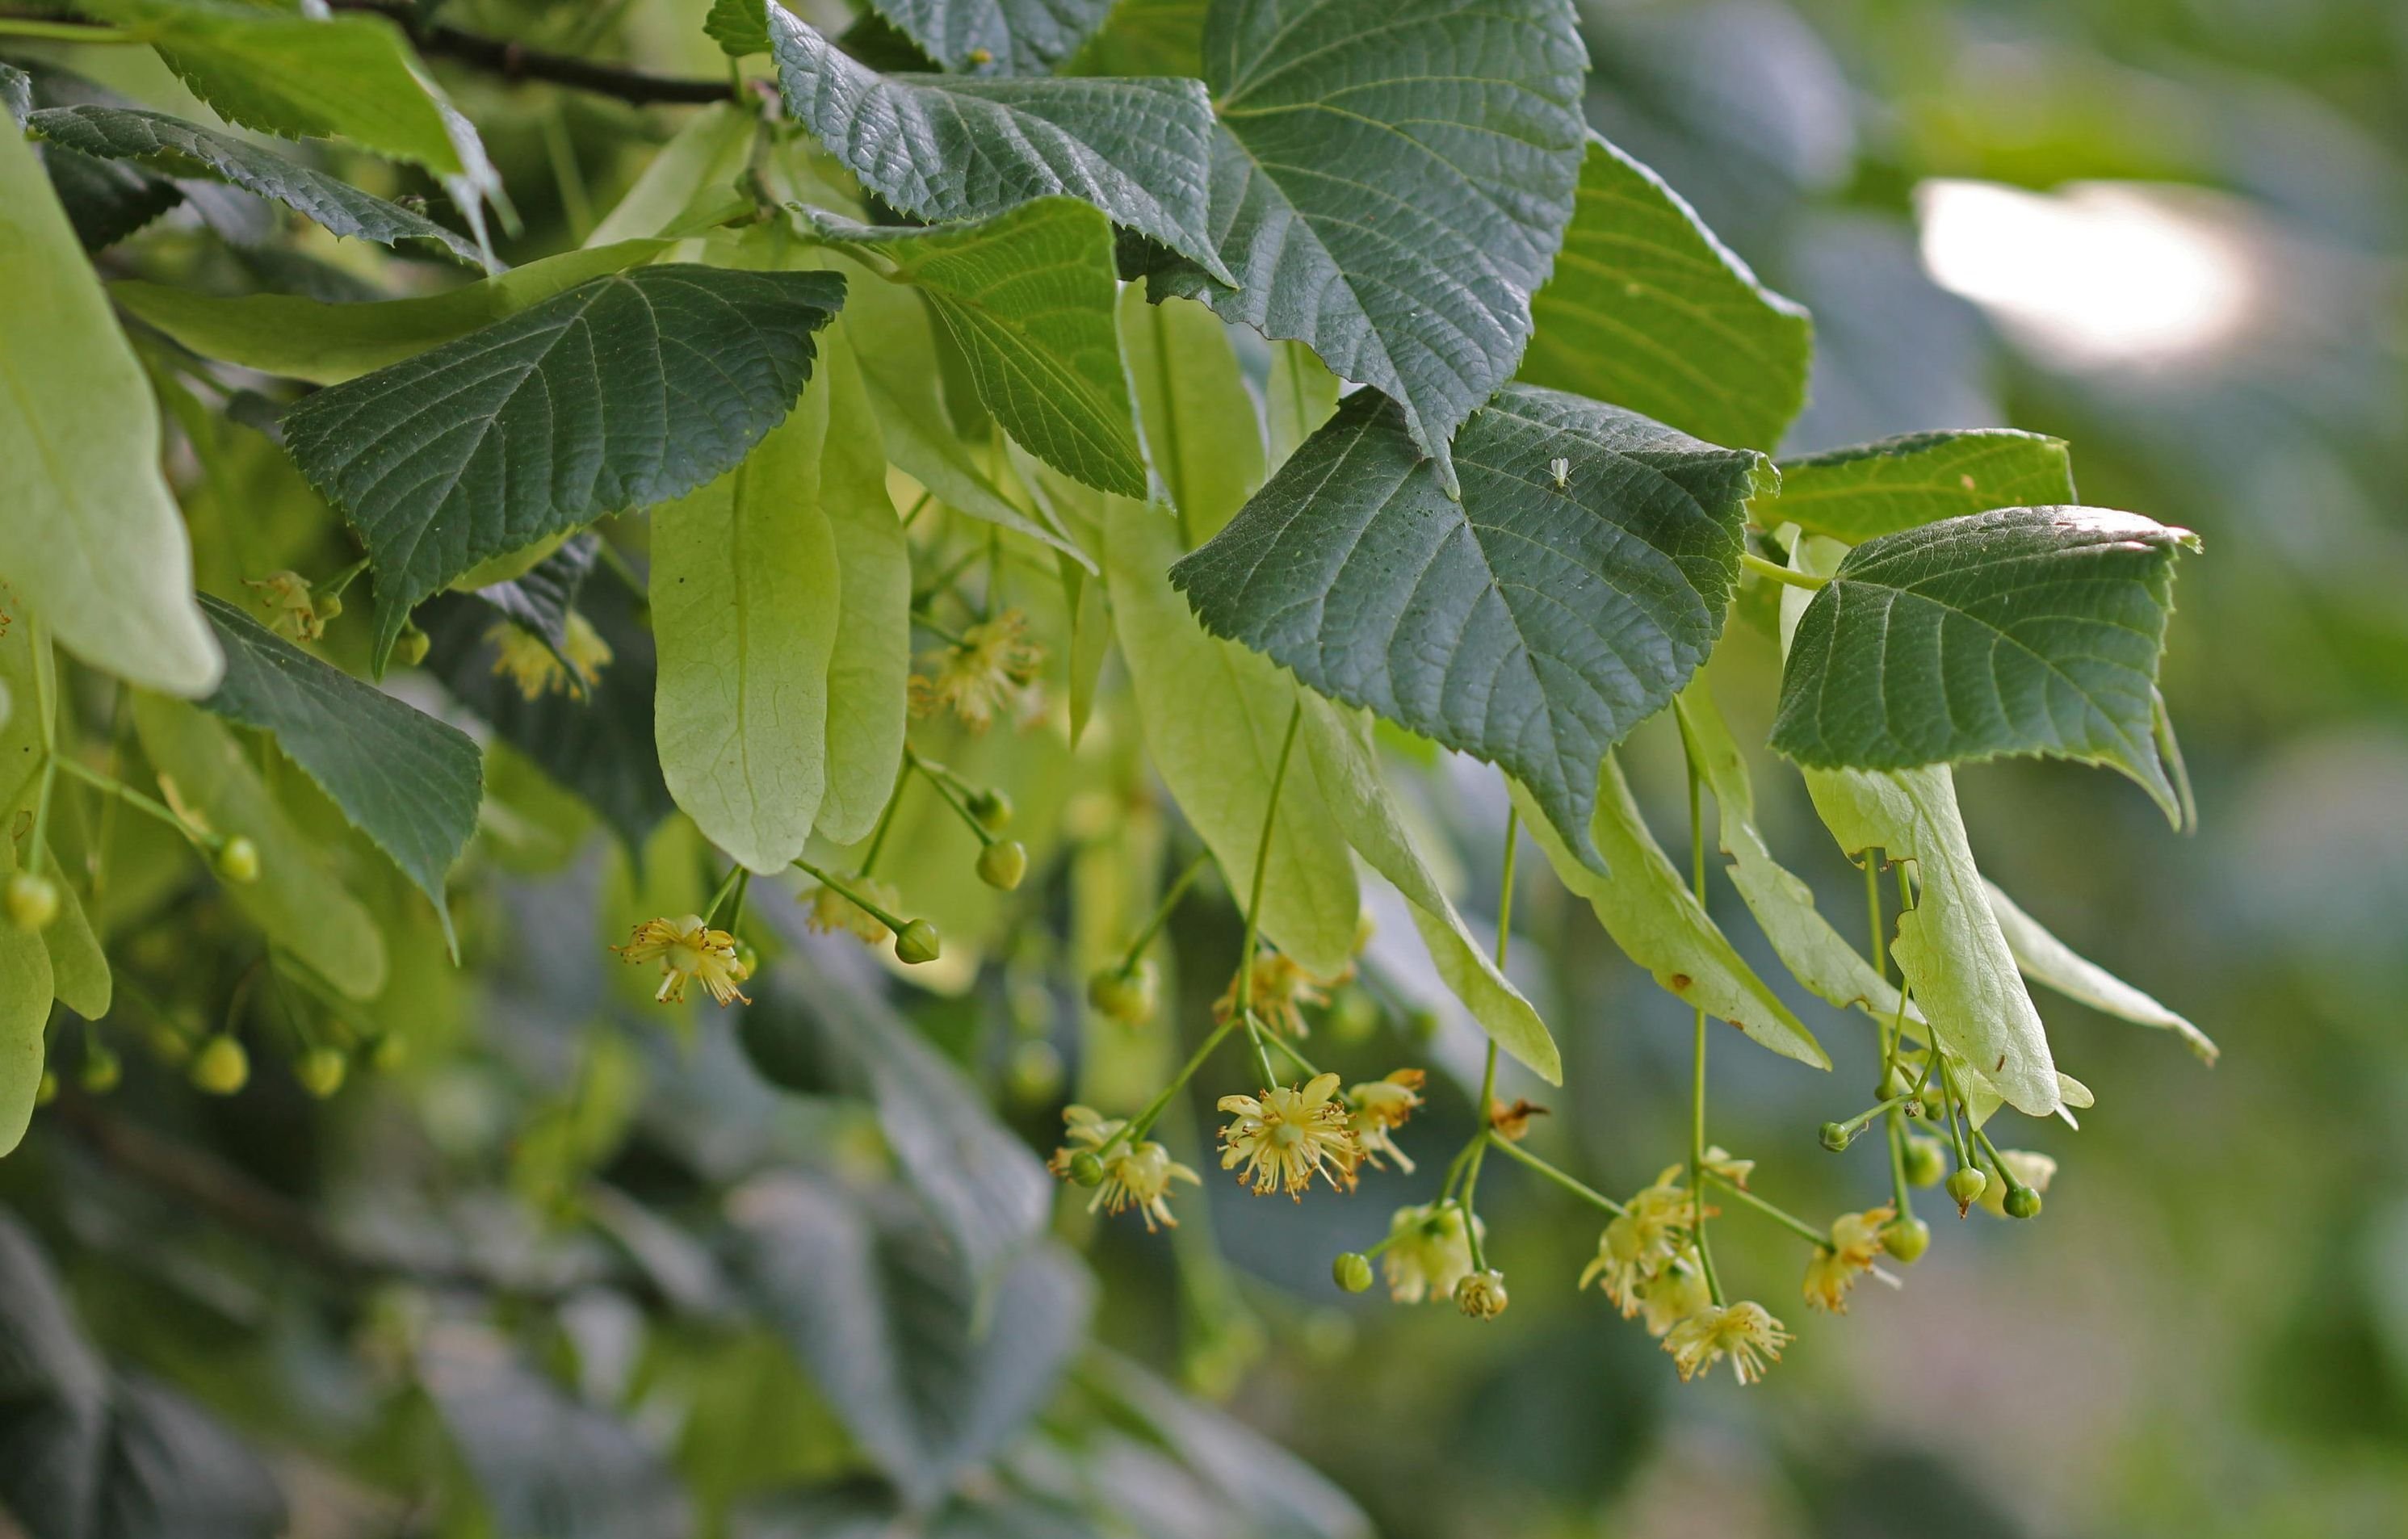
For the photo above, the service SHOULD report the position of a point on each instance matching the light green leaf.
(943, 147)
(1301, 397)
(1530, 624)
(1201, 433)
(1347, 766)
(1875, 489)
(1028, 295)
(2045, 960)
(327, 343)
(182, 149)
(26, 985)
(297, 901)
(746, 599)
(626, 391)
(1390, 182)
(2024, 630)
(1648, 310)
(868, 677)
(887, 325)
(351, 76)
(1008, 37)
(1145, 38)
(90, 538)
(740, 28)
(689, 176)
(409, 782)
(79, 972)
(1214, 715)
(1807, 945)
(1091, 642)
(1658, 923)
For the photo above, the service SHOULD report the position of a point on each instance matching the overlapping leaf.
(624, 391)
(2021, 630)
(1873, 489)
(540, 599)
(1201, 431)
(869, 669)
(1009, 37)
(1531, 624)
(2045, 960)
(409, 782)
(170, 145)
(1648, 310)
(950, 147)
(1029, 297)
(1390, 182)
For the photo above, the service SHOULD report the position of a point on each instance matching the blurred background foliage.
(565, 1271)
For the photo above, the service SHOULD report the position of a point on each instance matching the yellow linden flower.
(2033, 1169)
(522, 657)
(1429, 1252)
(1643, 1240)
(1136, 1175)
(1381, 1107)
(686, 949)
(1856, 1240)
(832, 911)
(1746, 1332)
(1481, 1296)
(1675, 1293)
(292, 609)
(1722, 1162)
(1286, 1136)
(989, 673)
(1282, 990)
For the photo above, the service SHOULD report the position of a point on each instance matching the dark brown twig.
(518, 62)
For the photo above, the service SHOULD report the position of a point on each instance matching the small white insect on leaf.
(1561, 469)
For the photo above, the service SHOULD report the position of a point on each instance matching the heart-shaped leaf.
(1533, 623)
(1873, 489)
(1008, 37)
(1647, 309)
(2021, 630)
(1390, 181)
(627, 391)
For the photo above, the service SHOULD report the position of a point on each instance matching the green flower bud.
(748, 957)
(1123, 996)
(1926, 1162)
(1003, 863)
(239, 861)
(1087, 1168)
(389, 1052)
(321, 1072)
(2022, 1202)
(220, 1068)
(1036, 1069)
(1836, 1136)
(918, 943)
(1907, 1239)
(32, 901)
(991, 807)
(1421, 1022)
(1894, 1084)
(1352, 1271)
(101, 1071)
(1480, 1295)
(1965, 1186)
(410, 647)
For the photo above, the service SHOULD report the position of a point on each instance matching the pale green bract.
(1869, 490)
(869, 667)
(1201, 433)
(2045, 960)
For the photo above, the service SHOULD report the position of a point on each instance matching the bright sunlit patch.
(2095, 274)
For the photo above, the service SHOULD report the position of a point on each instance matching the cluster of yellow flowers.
(1281, 988)
(689, 949)
(1136, 1173)
(991, 671)
(522, 657)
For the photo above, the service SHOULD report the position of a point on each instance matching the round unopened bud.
(1907, 1239)
(220, 1068)
(389, 1052)
(2023, 1202)
(1836, 1136)
(169, 1045)
(1087, 1168)
(46, 1089)
(411, 646)
(32, 901)
(239, 861)
(748, 959)
(1965, 1186)
(1926, 1162)
(1894, 1084)
(320, 1071)
(1352, 1271)
(918, 943)
(1480, 1295)
(101, 1071)
(991, 807)
(1125, 997)
(1003, 863)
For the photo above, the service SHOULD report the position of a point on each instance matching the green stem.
(623, 570)
(1773, 572)
(1262, 865)
(1484, 1112)
(941, 779)
(1783, 1216)
(1955, 1105)
(917, 507)
(851, 895)
(950, 637)
(1898, 1196)
(945, 580)
(1162, 911)
(334, 586)
(1578, 1188)
(2006, 1178)
(1281, 1042)
(730, 885)
(1698, 1048)
(131, 797)
(885, 822)
(1138, 1125)
(1262, 1050)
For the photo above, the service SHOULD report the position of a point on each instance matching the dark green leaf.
(1873, 489)
(105, 201)
(2021, 630)
(16, 93)
(627, 391)
(932, 1373)
(945, 148)
(1530, 624)
(538, 599)
(1647, 309)
(1029, 296)
(1390, 182)
(163, 143)
(740, 28)
(1008, 37)
(1145, 38)
(409, 782)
